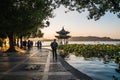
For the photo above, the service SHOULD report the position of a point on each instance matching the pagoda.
(63, 36)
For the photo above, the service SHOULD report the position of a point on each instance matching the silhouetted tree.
(22, 16)
(36, 33)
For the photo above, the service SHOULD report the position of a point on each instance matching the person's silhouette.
(54, 46)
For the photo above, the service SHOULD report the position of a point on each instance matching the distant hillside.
(92, 38)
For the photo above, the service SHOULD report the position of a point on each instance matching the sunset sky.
(79, 25)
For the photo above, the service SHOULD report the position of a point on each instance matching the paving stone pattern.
(37, 66)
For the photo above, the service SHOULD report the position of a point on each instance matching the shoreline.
(71, 69)
(74, 71)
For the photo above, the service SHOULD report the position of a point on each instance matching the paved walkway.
(39, 65)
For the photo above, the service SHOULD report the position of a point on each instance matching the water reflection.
(94, 67)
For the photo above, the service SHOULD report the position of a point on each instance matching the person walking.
(24, 44)
(54, 46)
(39, 44)
(28, 44)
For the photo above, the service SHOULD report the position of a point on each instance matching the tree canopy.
(96, 8)
(23, 15)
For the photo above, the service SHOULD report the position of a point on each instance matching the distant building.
(63, 36)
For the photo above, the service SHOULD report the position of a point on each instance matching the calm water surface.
(94, 67)
(95, 42)
(86, 42)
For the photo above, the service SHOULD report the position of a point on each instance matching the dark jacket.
(54, 45)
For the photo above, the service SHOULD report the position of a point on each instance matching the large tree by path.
(20, 16)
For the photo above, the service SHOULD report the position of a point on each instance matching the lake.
(94, 67)
(47, 43)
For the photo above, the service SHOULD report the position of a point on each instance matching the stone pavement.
(37, 66)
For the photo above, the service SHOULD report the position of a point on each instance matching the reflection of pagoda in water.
(63, 37)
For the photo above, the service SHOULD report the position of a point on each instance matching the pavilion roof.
(63, 31)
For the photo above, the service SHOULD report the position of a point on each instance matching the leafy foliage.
(36, 33)
(24, 15)
(96, 8)
(99, 50)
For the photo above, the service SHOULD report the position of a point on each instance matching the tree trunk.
(11, 42)
(17, 42)
(21, 45)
